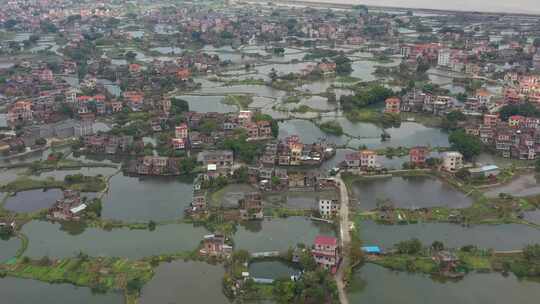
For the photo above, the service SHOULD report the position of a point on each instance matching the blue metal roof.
(371, 249)
(489, 168)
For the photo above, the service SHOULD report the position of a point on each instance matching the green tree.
(525, 109)
(437, 246)
(412, 246)
(450, 121)
(537, 165)
(343, 65)
(273, 75)
(130, 56)
(532, 252)
(179, 106)
(208, 126)
(95, 207)
(468, 145)
(284, 290)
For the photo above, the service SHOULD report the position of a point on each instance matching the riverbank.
(78, 183)
(99, 274)
(459, 263)
(483, 210)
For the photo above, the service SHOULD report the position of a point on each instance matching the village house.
(352, 160)
(487, 171)
(364, 159)
(418, 155)
(222, 159)
(251, 206)
(368, 159)
(69, 207)
(134, 99)
(329, 208)
(326, 252)
(214, 245)
(327, 68)
(452, 161)
(181, 131)
(392, 105)
(20, 112)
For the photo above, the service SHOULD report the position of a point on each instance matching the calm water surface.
(271, 270)
(185, 282)
(53, 240)
(144, 199)
(278, 234)
(22, 291)
(498, 237)
(377, 285)
(32, 200)
(408, 192)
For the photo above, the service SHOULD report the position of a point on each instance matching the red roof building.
(325, 252)
(392, 105)
(418, 155)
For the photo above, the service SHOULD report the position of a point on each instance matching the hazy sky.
(515, 6)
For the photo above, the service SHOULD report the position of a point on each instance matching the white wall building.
(444, 58)
(452, 161)
(328, 207)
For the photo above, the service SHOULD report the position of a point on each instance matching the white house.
(452, 161)
(328, 207)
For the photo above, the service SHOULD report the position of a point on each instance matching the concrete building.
(368, 159)
(328, 207)
(536, 61)
(392, 105)
(444, 58)
(325, 252)
(452, 161)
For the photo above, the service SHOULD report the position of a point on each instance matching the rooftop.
(325, 240)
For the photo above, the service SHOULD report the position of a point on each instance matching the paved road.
(345, 239)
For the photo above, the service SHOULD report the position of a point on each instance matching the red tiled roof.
(325, 240)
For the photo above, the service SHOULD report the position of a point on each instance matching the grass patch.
(347, 79)
(84, 184)
(366, 115)
(100, 274)
(241, 101)
(303, 109)
(331, 127)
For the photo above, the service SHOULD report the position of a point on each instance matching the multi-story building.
(328, 207)
(326, 252)
(368, 159)
(251, 206)
(214, 245)
(418, 155)
(392, 105)
(452, 161)
(181, 131)
(444, 58)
